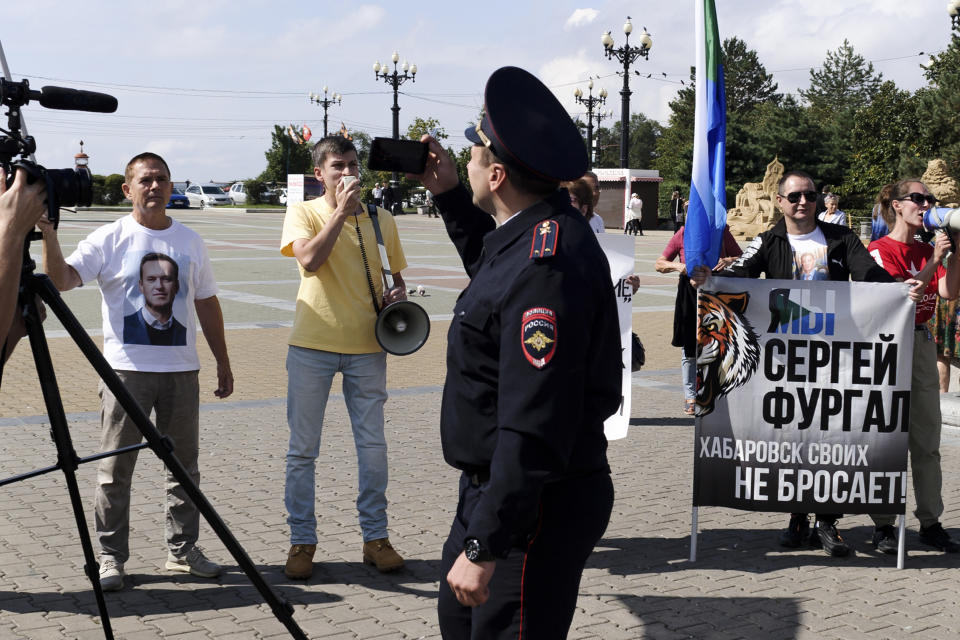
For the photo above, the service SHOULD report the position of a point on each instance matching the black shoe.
(825, 535)
(797, 532)
(885, 539)
(936, 537)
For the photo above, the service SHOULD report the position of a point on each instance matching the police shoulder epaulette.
(544, 242)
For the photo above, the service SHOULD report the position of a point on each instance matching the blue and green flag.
(707, 212)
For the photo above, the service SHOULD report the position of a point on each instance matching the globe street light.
(953, 8)
(627, 55)
(395, 79)
(599, 115)
(590, 102)
(325, 103)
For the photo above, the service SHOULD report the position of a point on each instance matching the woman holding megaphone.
(919, 265)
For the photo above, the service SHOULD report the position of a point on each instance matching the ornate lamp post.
(953, 8)
(325, 103)
(590, 102)
(395, 79)
(627, 55)
(599, 115)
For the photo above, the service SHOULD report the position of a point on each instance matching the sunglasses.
(920, 198)
(794, 196)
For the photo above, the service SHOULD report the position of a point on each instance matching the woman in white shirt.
(832, 214)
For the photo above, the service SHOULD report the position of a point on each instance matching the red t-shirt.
(904, 261)
(728, 248)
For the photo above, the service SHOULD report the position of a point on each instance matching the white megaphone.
(402, 327)
(937, 218)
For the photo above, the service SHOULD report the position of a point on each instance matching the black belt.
(919, 327)
(477, 478)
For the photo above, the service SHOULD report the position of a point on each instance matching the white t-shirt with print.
(111, 255)
(809, 255)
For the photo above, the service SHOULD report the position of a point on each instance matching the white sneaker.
(193, 562)
(111, 574)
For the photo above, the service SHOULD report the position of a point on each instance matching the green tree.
(845, 83)
(421, 126)
(285, 156)
(746, 81)
(938, 107)
(643, 143)
(112, 191)
(885, 133)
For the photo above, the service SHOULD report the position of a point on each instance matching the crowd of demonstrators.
(581, 197)
(21, 207)
(535, 490)
(672, 260)
(780, 253)
(899, 253)
(832, 214)
(150, 265)
(341, 290)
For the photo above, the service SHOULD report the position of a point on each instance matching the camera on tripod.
(65, 187)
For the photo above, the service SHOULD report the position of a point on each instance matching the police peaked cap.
(525, 126)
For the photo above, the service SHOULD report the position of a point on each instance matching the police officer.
(533, 369)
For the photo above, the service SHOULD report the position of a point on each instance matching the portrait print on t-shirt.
(153, 287)
(810, 263)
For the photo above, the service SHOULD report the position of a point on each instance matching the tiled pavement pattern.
(638, 583)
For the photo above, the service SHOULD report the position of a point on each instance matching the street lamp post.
(953, 8)
(600, 115)
(627, 55)
(395, 79)
(590, 102)
(325, 103)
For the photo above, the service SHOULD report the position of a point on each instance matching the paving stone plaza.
(639, 583)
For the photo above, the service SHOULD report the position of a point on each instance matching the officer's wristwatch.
(475, 551)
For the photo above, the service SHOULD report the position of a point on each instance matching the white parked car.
(237, 193)
(206, 195)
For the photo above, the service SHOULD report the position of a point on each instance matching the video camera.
(65, 187)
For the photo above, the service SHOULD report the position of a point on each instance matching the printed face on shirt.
(159, 286)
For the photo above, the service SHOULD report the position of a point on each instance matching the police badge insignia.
(544, 242)
(538, 336)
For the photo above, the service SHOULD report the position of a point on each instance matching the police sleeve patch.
(544, 243)
(538, 336)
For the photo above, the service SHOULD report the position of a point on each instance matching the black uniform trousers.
(533, 592)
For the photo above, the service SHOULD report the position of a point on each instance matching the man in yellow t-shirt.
(334, 243)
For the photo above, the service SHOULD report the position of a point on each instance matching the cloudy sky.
(203, 81)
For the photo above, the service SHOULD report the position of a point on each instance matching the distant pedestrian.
(634, 213)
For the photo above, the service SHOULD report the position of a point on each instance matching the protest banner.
(803, 396)
(619, 251)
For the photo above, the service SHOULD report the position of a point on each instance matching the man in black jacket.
(801, 247)
(533, 370)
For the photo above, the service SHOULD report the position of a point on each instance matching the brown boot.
(380, 553)
(300, 561)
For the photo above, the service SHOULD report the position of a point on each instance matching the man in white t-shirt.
(160, 373)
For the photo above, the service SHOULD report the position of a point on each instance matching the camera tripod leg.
(42, 286)
(67, 460)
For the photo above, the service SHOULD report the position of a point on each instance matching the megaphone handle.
(387, 274)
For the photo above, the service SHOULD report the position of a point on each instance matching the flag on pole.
(707, 212)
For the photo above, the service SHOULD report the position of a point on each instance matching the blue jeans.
(310, 373)
(688, 370)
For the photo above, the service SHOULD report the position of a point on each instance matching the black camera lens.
(73, 187)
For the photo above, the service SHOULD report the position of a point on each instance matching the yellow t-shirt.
(334, 310)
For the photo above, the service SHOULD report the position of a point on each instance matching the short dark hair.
(793, 174)
(520, 178)
(331, 144)
(156, 257)
(143, 157)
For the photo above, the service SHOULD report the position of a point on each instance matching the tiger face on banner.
(728, 351)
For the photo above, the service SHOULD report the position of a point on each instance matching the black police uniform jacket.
(533, 359)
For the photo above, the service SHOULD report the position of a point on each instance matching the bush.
(255, 190)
